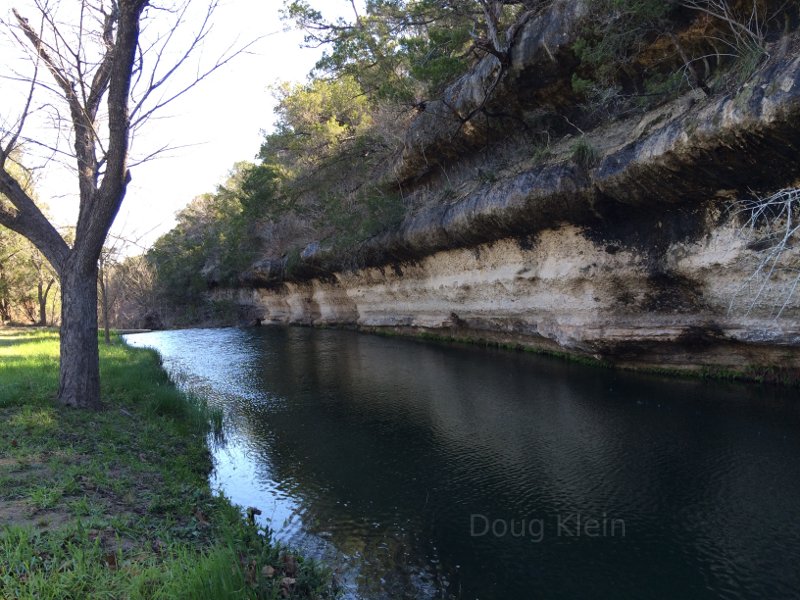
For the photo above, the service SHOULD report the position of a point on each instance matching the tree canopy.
(408, 50)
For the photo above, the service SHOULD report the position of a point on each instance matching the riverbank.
(117, 503)
(389, 455)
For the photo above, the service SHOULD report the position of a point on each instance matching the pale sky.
(220, 120)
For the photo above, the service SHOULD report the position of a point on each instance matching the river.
(425, 470)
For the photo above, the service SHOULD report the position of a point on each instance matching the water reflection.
(390, 457)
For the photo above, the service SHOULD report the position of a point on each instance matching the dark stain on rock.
(671, 292)
(527, 242)
(700, 337)
(646, 232)
(624, 297)
(457, 321)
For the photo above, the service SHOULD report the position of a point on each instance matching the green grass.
(584, 154)
(116, 503)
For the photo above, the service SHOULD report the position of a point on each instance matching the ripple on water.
(382, 456)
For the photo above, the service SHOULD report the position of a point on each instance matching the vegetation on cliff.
(354, 151)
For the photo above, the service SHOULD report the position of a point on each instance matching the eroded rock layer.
(637, 259)
(564, 291)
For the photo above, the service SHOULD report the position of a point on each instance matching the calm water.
(429, 471)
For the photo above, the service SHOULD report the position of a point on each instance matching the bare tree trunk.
(5, 306)
(5, 311)
(44, 292)
(98, 64)
(104, 300)
(79, 384)
(39, 294)
(491, 12)
(106, 330)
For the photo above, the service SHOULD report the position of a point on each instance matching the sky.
(216, 124)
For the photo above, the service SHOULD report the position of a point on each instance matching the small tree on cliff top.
(97, 70)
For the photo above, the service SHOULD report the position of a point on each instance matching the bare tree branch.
(82, 117)
(28, 220)
(140, 113)
(772, 229)
(94, 56)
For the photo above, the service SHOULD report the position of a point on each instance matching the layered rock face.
(637, 259)
(563, 291)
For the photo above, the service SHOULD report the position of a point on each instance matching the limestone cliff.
(635, 257)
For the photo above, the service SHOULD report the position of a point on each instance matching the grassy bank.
(116, 503)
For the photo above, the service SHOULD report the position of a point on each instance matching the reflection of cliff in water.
(386, 447)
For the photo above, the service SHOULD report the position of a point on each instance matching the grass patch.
(584, 154)
(116, 503)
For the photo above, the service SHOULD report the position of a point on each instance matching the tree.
(406, 49)
(95, 77)
(314, 120)
(109, 258)
(133, 298)
(110, 277)
(771, 228)
(11, 278)
(26, 280)
(211, 244)
(45, 278)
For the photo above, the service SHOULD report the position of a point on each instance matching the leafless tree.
(772, 230)
(104, 264)
(97, 70)
(46, 278)
(747, 22)
(111, 275)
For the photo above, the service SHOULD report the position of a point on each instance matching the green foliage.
(324, 133)
(369, 40)
(664, 84)
(619, 31)
(541, 153)
(260, 192)
(403, 50)
(749, 59)
(211, 244)
(27, 281)
(316, 167)
(292, 261)
(438, 58)
(580, 85)
(314, 120)
(358, 219)
(614, 37)
(640, 52)
(584, 154)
